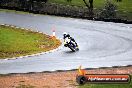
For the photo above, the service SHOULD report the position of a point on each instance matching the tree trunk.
(90, 8)
(86, 3)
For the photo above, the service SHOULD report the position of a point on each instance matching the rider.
(66, 35)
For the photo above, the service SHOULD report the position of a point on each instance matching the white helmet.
(64, 33)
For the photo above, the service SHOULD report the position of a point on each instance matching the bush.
(109, 11)
(68, 0)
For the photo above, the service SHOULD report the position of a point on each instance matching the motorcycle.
(70, 44)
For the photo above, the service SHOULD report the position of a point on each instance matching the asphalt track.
(102, 44)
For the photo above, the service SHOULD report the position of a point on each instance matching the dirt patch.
(54, 79)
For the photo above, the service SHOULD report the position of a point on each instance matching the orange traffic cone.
(81, 71)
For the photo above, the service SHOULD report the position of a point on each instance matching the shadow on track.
(69, 52)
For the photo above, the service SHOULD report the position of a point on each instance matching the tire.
(72, 49)
(71, 46)
(77, 49)
(81, 80)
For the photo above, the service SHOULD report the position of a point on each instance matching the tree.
(89, 5)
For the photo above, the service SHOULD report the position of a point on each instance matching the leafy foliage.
(68, 0)
(109, 11)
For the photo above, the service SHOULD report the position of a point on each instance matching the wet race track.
(101, 44)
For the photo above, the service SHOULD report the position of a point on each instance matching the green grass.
(18, 12)
(107, 85)
(14, 42)
(124, 7)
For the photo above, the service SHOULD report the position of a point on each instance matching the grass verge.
(124, 7)
(124, 10)
(17, 42)
(17, 12)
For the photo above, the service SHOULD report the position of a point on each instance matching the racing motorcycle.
(70, 44)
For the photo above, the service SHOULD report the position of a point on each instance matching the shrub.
(109, 11)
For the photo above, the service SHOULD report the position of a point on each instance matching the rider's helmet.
(65, 35)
